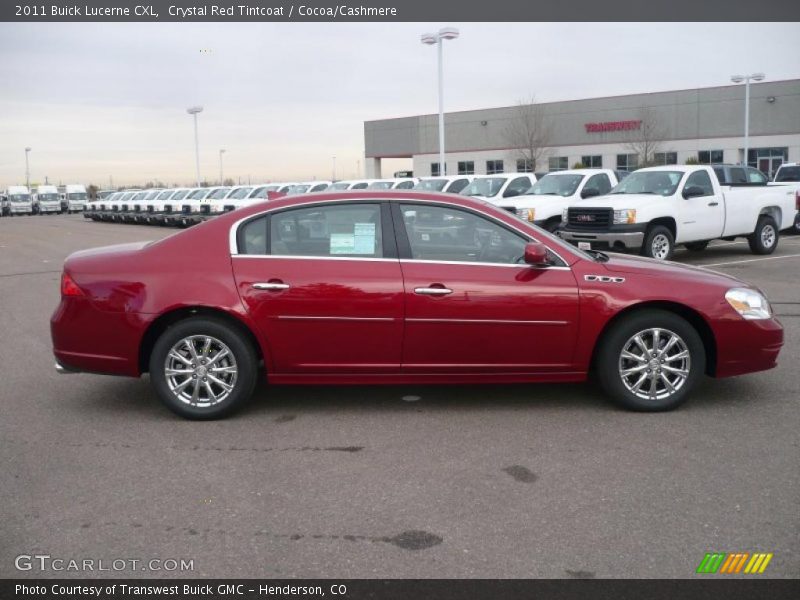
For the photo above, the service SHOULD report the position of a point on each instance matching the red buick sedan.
(389, 287)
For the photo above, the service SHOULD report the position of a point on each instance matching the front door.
(700, 217)
(472, 305)
(324, 286)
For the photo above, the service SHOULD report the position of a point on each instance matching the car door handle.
(713, 203)
(432, 291)
(271, 285)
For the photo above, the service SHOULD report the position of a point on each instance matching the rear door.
(700, 217)
(472, 305)
(323, 284)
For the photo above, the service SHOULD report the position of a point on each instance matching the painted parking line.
(749, 260)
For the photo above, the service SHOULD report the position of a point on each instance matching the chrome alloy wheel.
(768, 236)
(654, 364)
(660, 246)
(200, 371)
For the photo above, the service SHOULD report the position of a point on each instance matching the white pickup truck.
(544, 203)
(655, 208)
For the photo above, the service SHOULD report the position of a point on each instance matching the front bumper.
(630, 236)
(747, 346)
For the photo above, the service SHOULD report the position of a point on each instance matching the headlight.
(625, 216)
(748, 303)
(564, 214)
(216, 208)
(526, 214)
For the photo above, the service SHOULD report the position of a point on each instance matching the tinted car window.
(348, 230)
(599, 182)
(253, 237)
(457, 185)
(518, 186)
(702, 180)
(319, 187)
(360, 186)
(737, 175)
(447, 234)
(405, 185)
(788, 174)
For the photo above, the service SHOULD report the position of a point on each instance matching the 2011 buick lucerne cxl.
(386, 287)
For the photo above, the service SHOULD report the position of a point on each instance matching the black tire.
(765, 238)
(246, 362)
(696, 246)
(609, 359)
(659, 243)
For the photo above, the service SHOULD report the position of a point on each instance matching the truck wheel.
(650, 361)
(696, 246)
(659, 243)
(202, 368)
(764, 239)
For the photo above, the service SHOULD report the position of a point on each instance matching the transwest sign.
(612, 126)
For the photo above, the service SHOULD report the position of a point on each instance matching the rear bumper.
(747, 346)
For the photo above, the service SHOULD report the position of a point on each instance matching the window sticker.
(343, 243)
(364, 235)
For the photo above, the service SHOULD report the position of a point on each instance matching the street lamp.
(221, 152)
(334, 170)
(27, 171)
(746, 79)
(445, 33)
(193, 110)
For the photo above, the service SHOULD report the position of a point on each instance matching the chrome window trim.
(299, 257)
(488, 321)
(234, 230)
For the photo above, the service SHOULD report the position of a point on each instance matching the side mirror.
(536, 254)
(590, 192)
(693, 191)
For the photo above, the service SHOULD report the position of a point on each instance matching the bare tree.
(648, 138)
(528, 132)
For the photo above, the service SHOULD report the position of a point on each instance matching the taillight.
(69, 287)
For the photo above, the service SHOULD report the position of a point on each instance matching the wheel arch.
(171, 317)
(774, 212)
(694, 318)
(667, 222)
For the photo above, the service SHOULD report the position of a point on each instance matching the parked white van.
(47, 200)
(19, 201)
(397, 183)
(75, 197)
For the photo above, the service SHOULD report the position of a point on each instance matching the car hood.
(537, 201)
(619, 201)
(639, 265)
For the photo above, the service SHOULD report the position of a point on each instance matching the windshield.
(152, 195)
(48, 197)
(299, 189)
(76, 196)
(240, 193)
(198, 194)
(139, 196)
(272, 188)
(556, 185)
(218, 194)
(125, 197)
(431, 185)
(788, 174)
(661, 183)
(19, 197)
(380, 185)
(485, 186)
(180, 195)
(165, 195)
(342, 185)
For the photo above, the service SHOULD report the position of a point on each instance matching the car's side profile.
(388, 287)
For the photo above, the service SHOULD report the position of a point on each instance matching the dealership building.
(705, 124)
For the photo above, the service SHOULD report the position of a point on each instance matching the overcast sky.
(96, 101)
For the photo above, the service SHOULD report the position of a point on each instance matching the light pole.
(27, 171)
(746, 79)
(194, 110)
(221, 152)
(445, 33)
(334, 170)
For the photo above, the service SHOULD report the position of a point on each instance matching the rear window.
(788, 174)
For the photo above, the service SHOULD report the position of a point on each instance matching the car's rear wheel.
(202, 368)
(650, 361)
(659, 243)
(764, 239)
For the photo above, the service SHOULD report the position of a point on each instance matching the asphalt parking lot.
(362, 482)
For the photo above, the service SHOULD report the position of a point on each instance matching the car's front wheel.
(650, 360)
(659, 243)
(202, 368)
